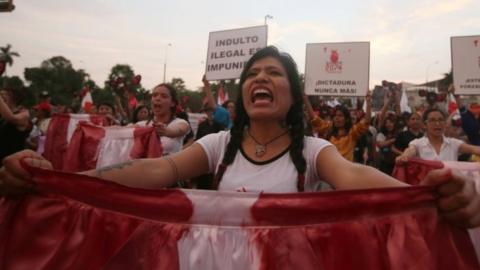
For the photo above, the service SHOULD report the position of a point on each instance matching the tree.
(6, 57)
(178, 84)
(7, 6)
(122, 89)
(16, 84)
(57, 76)
(447, 79)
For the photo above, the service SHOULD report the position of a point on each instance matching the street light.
(165, 62)
(267, 17)
(426, 71)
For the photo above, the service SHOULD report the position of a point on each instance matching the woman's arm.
(395, 150)
(343, 174)
(20, 120)
(308, 106)
(386, 143)
(208, 93)
(174, 130)
(368, 108)
(141, 173)
(466, 148)
(410, 152)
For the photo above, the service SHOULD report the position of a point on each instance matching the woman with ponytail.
(265, 151)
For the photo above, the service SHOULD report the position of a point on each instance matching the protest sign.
(337, 69)
(229, 51)
(466, 64)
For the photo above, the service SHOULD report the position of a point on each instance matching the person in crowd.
(434, 145)
(470, 122)
(189, 138)
(141, 113)
(229, 105)
(41, 121)
(106, 109)
(265, 151)
(361, 150)
(14, 123)
(391, 98)
(341, 132)
(171, 129)
(208, 125)
(414, 131)
(385, 140)
(221, 115)
(205, 127)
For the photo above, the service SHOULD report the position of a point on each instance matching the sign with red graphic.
(466, 64)
(337, 69)
(229, 51)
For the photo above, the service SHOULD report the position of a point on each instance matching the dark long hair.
(348, 121)
(294, 119)
(173, 96)
(137, 111)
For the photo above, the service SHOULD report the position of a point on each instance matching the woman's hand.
(160, 129)
(402, 160)
(459, 200)
(14, 179)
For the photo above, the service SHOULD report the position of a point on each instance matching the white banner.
(466, 64)
(337, 69)
(229, 51)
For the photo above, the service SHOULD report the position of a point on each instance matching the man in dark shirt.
(414, 131)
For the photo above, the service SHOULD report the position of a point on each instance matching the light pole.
(426, 71)
(165, 62)
(267, 17)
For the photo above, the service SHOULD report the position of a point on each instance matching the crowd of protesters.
(380, 139)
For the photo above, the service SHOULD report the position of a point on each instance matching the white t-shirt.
(277, 175)
(448, 150)
(170, 145)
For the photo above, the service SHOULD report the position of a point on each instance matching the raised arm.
(383, 111)
(208, 93)
(308, 107)
(20, 120)
(368, 107)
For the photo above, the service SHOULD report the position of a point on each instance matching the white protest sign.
(337, 69)
(466, 64)
(229, 51)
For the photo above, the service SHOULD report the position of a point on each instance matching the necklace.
(261, 148)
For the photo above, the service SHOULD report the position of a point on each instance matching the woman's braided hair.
(294, 119)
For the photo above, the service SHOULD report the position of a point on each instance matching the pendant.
(260, 150)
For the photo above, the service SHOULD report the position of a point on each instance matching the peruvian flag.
(87, 101)
(416, 169)
(80, 222)
(452, 104)
(94, 146)
(60, 132)
(222, 95)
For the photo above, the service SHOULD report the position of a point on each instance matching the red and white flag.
(416, 170)
(94, 146)
(222, 95)
(79, 222)
(87, 101)
(452, 105)
(60, 131)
